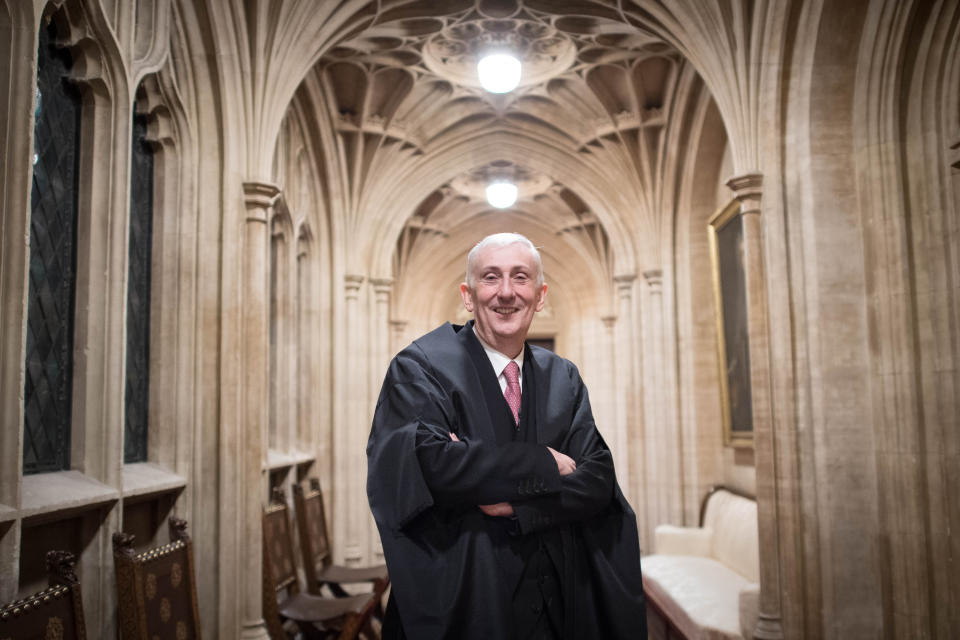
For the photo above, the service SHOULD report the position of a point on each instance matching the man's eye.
(490, 277)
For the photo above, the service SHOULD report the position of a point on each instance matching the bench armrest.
(749, 601)
(683, 541)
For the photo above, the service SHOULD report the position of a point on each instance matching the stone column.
(629, 436)
(252, 434)
(658, 455)
(381, 327)
(747, 189)
(610, 421)
(351, 459)
(379, 359)
(398, 329)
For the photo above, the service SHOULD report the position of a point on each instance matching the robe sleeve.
(586, 491)
(414, 465)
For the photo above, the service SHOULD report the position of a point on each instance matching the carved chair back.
(156, 589)
(287, 611)
(56, 613)
(278, 545)
(279, 569)
(312, 526)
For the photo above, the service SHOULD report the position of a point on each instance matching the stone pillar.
(631, 437)
(381, 327)
(612, 422)
(379, 359)
(658, 455)
(351, 461)
(252, 433)
(747, 189)
(398, 329)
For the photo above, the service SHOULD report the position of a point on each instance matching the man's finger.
(454, 437)
(565, 464)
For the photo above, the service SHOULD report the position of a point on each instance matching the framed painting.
(733, 346)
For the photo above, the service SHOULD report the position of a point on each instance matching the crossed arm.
(539, 485)
(565, 466)
(564, 490)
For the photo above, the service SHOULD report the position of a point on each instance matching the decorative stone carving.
(529, 183)
(545, 52)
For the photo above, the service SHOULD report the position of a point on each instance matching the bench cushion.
(699, 594)
(733, 519)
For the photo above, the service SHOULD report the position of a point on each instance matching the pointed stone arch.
(173, 304)
(414, 185)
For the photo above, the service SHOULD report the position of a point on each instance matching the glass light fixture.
(499, 72)
(501, 194)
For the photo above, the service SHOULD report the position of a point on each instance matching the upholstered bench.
(704, 581)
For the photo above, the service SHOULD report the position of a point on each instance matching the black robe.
(454, 569)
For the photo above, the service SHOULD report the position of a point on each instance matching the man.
(494, 494)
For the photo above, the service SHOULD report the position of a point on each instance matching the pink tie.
(512, 392)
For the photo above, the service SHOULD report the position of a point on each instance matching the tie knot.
(512, 373)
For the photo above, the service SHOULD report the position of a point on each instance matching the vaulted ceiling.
(594, 136)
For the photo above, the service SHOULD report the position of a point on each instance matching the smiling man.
(495, 496)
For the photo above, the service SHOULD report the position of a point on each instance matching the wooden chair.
(315, 616)
(55, 612)
(312, 527)
(156, 589)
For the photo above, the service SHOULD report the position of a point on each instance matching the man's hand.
(565, 464)
(499, 510)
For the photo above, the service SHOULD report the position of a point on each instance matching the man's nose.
(506, 288)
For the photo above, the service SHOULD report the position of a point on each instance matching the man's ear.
(467, 297)
(542, 298)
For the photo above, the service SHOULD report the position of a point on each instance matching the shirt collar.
(497, 359)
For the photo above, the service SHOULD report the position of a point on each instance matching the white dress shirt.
(500, 361)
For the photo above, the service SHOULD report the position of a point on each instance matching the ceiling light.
(501, 194)
(499, 72)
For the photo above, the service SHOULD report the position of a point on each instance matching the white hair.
(502, 240)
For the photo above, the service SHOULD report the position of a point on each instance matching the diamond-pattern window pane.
(138, 295)
(53, 223)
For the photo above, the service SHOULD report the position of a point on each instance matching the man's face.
(504, 296)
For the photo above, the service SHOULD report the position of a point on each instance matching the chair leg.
(369, 631)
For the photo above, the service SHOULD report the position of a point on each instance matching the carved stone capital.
(382, 286)
(259, 198)
(748, 189)
(624, 282)
(654, 279)
(351, 285)
(609, 321)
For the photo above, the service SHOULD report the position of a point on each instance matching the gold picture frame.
(725, 229)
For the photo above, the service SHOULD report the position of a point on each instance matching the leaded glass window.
(138, 294)
(53, 225)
